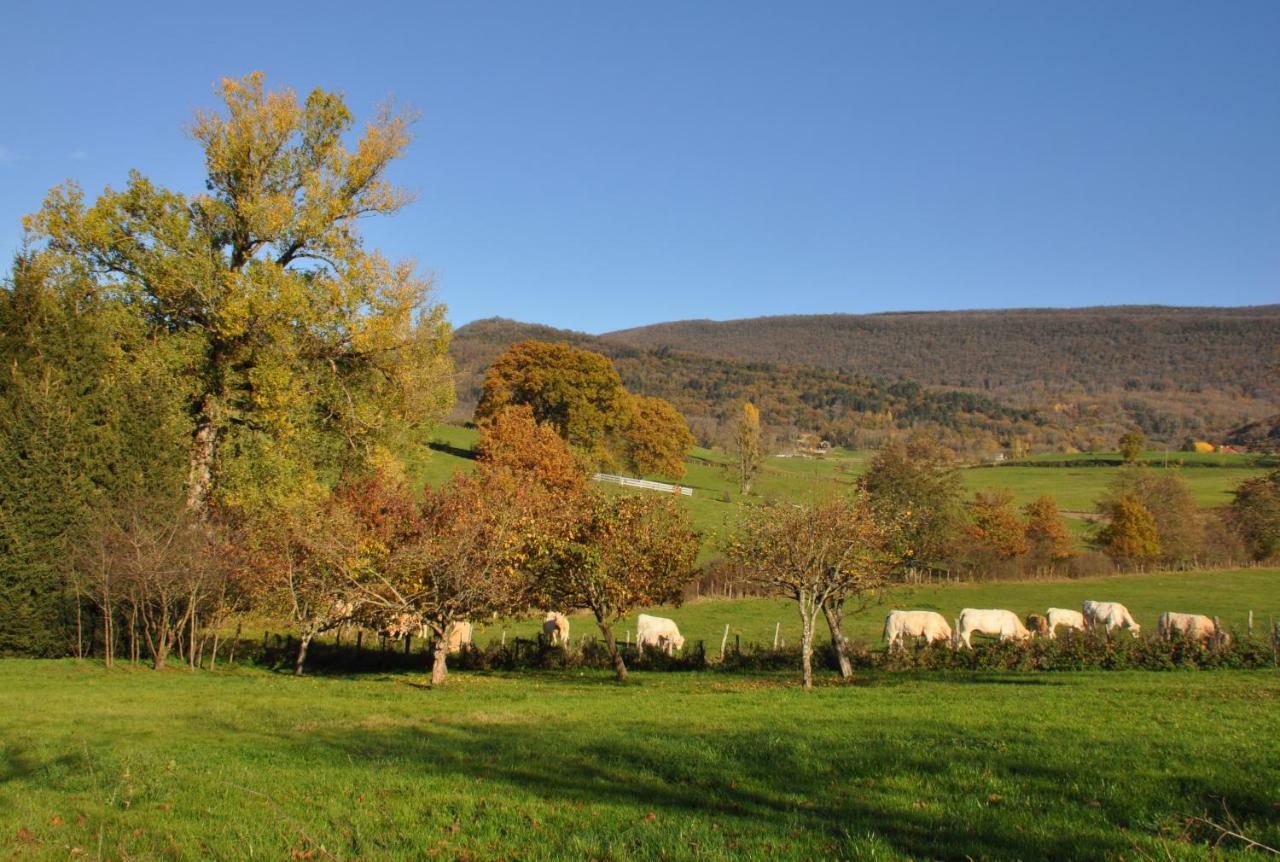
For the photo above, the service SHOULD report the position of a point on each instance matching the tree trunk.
(808, 616)
(440, 659)
(204, 444)
(611, 643)
(160, 654)
(303, 642)
(836, 623)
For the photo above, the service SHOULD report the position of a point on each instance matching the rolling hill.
(1058, 378)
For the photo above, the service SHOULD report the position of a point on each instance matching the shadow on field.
(774, 780)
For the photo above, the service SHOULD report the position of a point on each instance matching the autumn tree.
(915, 484)
(617, 553)
(1178, 520)
(457, 554)
(297, 343)
(1048, 541)
(1255, 514)
(576, 392)
(993, 529)
(308, 557)
(656, 438)
(821, 556)
(1128, 535)
(747, 445)
(1131, 444)
(514, 441)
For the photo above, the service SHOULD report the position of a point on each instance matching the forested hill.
(846, 408)
(1058, 378)
(1011, 351)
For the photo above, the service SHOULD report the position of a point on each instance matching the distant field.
(249, 764)
(1229, 595)
(714, 505)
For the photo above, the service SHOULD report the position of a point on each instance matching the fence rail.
(628, 482)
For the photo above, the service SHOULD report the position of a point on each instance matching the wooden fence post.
(737, 644)
(724, 640)
(408, 639)
(359, 639)
(1250, 623)
(777, 627)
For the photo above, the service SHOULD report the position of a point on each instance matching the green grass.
(249, 764)
(1229, 595)
(716, 502)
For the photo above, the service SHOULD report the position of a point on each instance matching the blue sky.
(598, 165)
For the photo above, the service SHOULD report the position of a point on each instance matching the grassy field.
(248, 764)
(1229, 595)
(714, 504)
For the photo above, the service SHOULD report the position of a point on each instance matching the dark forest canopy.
(1055, 379)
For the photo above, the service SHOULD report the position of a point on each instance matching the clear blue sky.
(598, 165)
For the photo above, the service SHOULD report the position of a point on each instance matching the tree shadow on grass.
(773, 779)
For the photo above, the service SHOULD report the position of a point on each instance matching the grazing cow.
(915, 624)
(1037, 624)
(403, 625)
(1110, 615)
(659, 632)
(556, 628)
(1191, 626)
(457, 636)
(1002, 624)
(1064, 617)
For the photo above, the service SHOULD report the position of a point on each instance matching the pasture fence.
(629, 482)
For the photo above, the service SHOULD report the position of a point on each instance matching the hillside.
(1059, 378)
(1139, 347)
(846, 408)
(1173, 372)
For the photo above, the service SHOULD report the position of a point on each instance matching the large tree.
(575, 391)
(1255, 510)
(747, 445)
(915, 484)
(821, 556)
(616, 553)
(656, 438)
(298, 343)
(1179, 522)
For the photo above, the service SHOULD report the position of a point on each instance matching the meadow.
(1227, 594)
(246, 764)
(1076, 481)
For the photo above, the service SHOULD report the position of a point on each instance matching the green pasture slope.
(248, 764)
(1229, 595)
(714, 505)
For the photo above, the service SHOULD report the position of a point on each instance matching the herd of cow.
(663, 634)
(1006, 625)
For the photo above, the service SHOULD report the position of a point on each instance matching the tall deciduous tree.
(1131, 444)
(617, 553)
(1255, 510)
(577, 392)
(1047, 538)
(915, 485)
(747, 444)
(994, 530)
(298, 342)
(1129, 535)
(820, 556)
(656, 437)
(514, 441)
(1178, 520)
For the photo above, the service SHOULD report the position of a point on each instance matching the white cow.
(915, 624)
(1064, 617)
(1002, 624)
(457, 636)
(1110, 615)
(659, 632)
(556, 628)
(1190, 626)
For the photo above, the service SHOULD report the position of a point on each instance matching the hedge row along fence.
(1071, 651)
